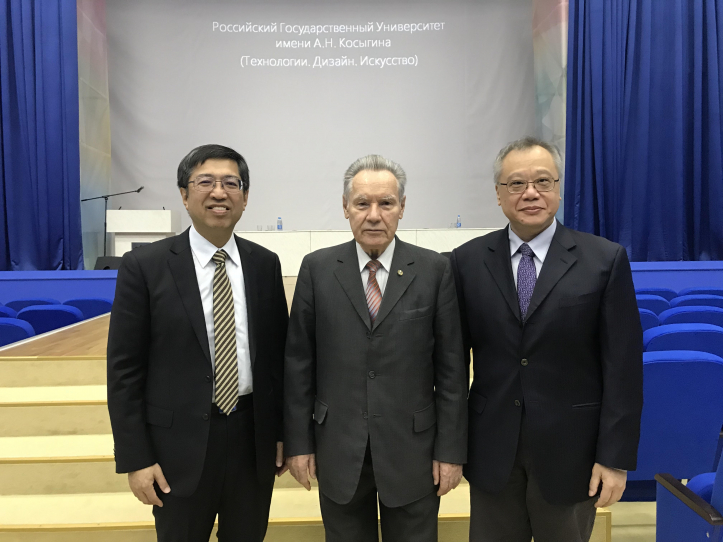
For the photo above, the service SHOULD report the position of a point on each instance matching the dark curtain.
(643, 156)
(39, 144)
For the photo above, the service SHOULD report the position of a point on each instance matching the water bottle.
(459, 221)
(279, 225)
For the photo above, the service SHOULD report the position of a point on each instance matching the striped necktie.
(224, 337)
(373, 292)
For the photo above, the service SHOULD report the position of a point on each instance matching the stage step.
(68, 464)
(53, 410)
(52, 371)
(119, 517)
(58, 464)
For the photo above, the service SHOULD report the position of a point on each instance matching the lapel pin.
(400, 272)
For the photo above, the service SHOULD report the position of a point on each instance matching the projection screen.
(301, 89)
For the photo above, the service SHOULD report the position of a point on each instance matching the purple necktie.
(526, 278)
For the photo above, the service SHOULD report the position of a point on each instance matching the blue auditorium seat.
(692, 315)
(90, 306)
(690, 513)
(13, 330)
(667, 293)
(698, 290)
(654, 303)
(700, 337)
(46, 318)
(648, 319)
(698, 301)
(7, 312)
(19, 304)
(682, 414)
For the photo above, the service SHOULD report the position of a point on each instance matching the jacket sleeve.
(621, 347)
(466, 336)
(300, 368)
(127, 358)
(450, 377)
(280, 325)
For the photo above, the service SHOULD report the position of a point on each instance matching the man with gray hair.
(376, 387)
(551, 317)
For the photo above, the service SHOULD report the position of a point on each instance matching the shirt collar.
(539, 245)
(204, 249)
(385, 258)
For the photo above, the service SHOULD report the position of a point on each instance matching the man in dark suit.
(551, 317)
(195, 364)
(374, 374)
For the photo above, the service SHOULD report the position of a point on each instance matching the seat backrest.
(13, 330)
(90, 306)
(46, 318)
(653, 303)
(697, 290)
(7, 312)
(19, 304)
(692, 315)
(667, 293)
(648, 319)
(716, 499)
(682, 414)
(698, 301)
(700, 337)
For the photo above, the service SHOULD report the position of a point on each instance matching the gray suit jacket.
(400, 384)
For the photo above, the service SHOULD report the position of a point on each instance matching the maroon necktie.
(373, 293)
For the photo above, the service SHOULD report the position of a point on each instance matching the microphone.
(141, 188)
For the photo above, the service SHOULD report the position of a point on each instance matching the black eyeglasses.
(206, 184)
(541, 185)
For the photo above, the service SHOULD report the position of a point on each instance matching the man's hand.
(447, 475)
(281, 466)
(613, 484)
(302, 467)
(141, 482)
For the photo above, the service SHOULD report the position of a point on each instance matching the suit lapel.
(396, 284)
(499, 264)
(557, 262)
(184, 274)
(251, 289)
(348, 274)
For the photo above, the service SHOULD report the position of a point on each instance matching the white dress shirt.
(385, 258)
(539, 245)
(203, 250)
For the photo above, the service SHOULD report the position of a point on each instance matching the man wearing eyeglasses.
(551, 318)
(195, 364)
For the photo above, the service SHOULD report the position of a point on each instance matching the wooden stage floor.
(85, 339)
(88, 338)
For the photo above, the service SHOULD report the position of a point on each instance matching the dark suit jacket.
(160, 377)
(575, 364)
(400, 383)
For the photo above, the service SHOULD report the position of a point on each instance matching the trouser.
(356, 521)
(519, 511)
(229, 487)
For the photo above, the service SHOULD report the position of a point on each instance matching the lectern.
(131, 228)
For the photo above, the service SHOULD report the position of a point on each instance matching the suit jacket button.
(372, 374)
(524, 362)
(369, 334)
(365, 415)
(208, 378)
(205, 417)
(517, 402)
